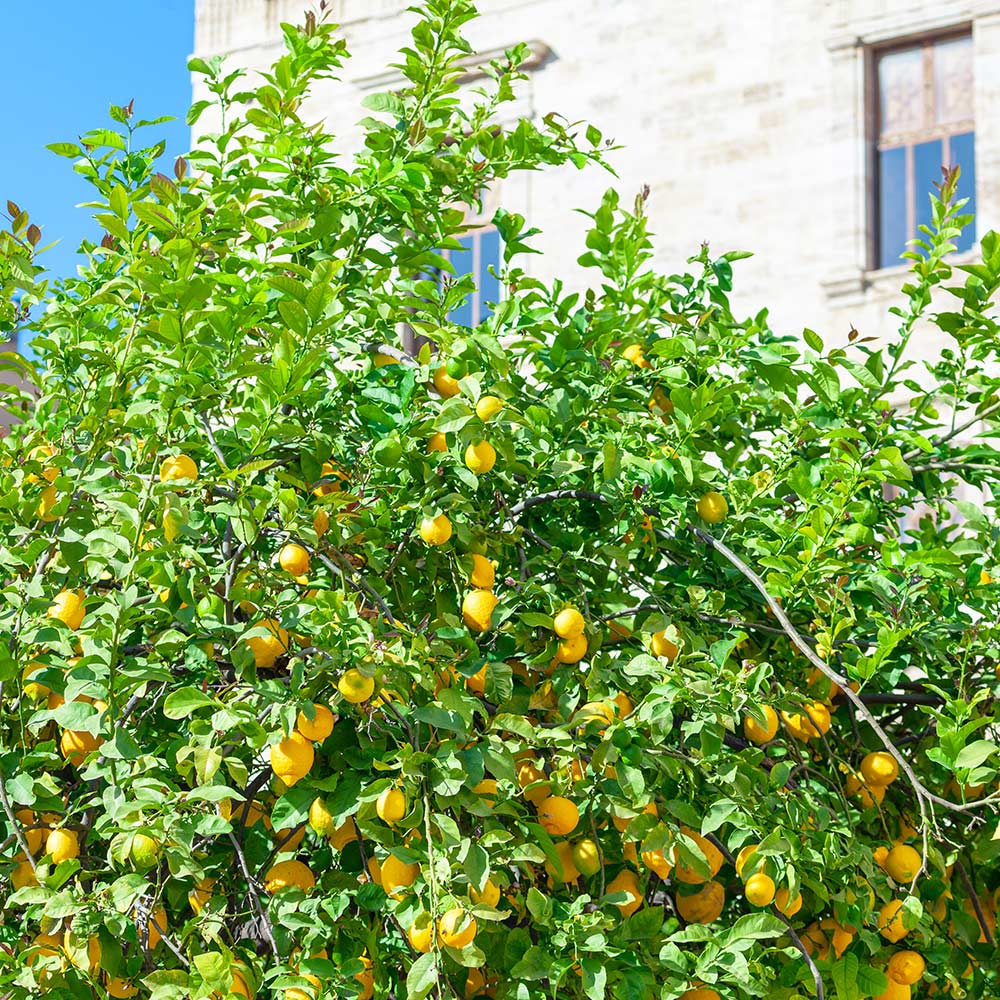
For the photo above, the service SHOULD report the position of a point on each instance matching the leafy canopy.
(291, 703)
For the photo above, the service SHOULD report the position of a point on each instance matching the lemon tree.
(621, 646)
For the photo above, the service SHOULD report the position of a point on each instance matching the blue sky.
(67, 61)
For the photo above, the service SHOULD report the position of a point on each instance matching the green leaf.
(185, 701)
(422, 976)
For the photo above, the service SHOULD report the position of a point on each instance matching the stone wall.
(746, 120)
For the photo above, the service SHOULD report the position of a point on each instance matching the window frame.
(873, 52)
(476, 230)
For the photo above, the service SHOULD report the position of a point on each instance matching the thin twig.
(210, 434)
(976, 904)
(255, 896)
(390, 352)
(11, 818)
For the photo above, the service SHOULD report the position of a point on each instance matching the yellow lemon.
(292, 758)
(903, 863)
(445, 384)
(489, 895)
(480, 457)
(437, 442)
(626, 881)
(890, 921)
(789, 907)
(662, 646)
(267, 648)
(321, 522)
(354, 687)
(178, 467)
(319, 727)
(457, 928)
(634, 353)
(759, 890)
(420, 933)
(488, 407)
(712, 507)
(68, 608)
(62, 845)
(435, 530)
(483, 572)
(397, 874)
(572, 650)
(391, 806)
(568, 624)
(759, 733)
(477, 609)
(713, 856)
(289, 875)
(49, 498)
(906, 967)
(75, 745)
(879, 769)
(294, 559)
(703, 906)
(558, 815)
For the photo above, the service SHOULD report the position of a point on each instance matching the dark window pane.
(892, 205)
(489, 286)
(928, 158)
(461, 261)
(963, 152)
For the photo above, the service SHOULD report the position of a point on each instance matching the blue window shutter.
(892, 205)
(963, 153)
(489, 286)
(462, 262)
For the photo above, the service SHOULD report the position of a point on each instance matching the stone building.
(807, 131)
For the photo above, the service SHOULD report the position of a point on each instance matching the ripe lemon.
(568, 624)
(75, 745)
(743, 857)
(435, 530)
(890, 921)
(789, 907)
(62, 845)
(294, 993)
(566, 872)
(398, 874)
(34, 690)
(906, 967)
(480, 457)
(391, 806)
(558, 815)
(815, 942)
(445, 384)
(488, 407)
(420, 933)
(292, 758)
(712, 507)
(895, 991)
(457, 928)
(155, 927)
(532, 780)
(437, 442)
(289, 875)
(879, 769)
(354, 687)
(144, 851)
(294, 559)
(201, 894)
(489, 895)
(321, 522)
(381, 360)
(700, 994)
(810, 723)
(757, 733)
(338, 480)
(23, 875)
(122, 989)
(662, 646)
(49, 498)
(624, 704)
(477, 609)
(68, 608)
(487, 791)
(703, 906)
(657, 861)
(483, 572)
(902, 863)
(178, 467)
(267, 648)
(84, 954)
(634, 353)
(759, 889)
(35, 838)
(343, 835)
(319, 727)
(320, 817)
(713, 857)
(572, 650)
(628, 882)
(366, 978)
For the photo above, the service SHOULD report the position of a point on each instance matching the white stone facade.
(747, 121)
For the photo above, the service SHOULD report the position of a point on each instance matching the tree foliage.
(291, 702)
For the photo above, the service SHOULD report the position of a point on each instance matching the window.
(924, 121)
(480, 251)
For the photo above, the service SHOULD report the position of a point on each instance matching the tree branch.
(922, 792)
